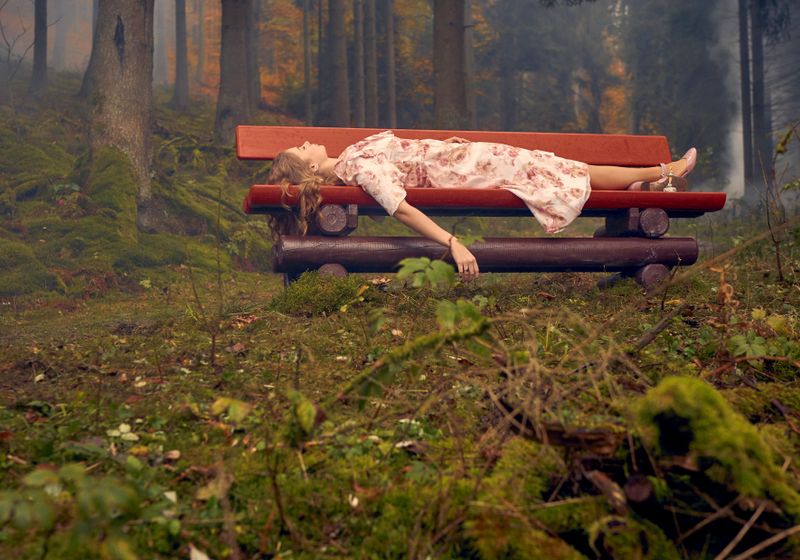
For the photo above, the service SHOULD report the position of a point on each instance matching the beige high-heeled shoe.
(669, 182)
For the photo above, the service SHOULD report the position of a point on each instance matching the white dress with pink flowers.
(555, 189)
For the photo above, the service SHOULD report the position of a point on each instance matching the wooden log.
(648, 222)
(335, 219)
(333, 269)
(381, 254)
(651, 275)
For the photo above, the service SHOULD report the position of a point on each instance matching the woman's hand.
(457, 140)
(466, 264)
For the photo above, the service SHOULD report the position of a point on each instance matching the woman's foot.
(672, 175)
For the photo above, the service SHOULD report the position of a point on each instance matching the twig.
(742, 532)
(650, 335)
(767, 543)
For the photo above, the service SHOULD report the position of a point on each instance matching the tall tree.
(747, 115)
(233, 102)
(252, 49)
(391, 79)
(469, 67)
(371, 55)
(122, 100)
(358, 62)
(161, 42)
(62, 19)
(39, 76)
(200, 41)
(180, 97)
(307, 62)
(339, 85)
(450, 96)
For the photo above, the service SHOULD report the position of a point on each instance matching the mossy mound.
(31, 168)
(685, 416)
(623, 537)
(21, 272)
(316, 294)
(500, 524)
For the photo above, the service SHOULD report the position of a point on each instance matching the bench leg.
(651, 275)
(613, 280)
(333, 269)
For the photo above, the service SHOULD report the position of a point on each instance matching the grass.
(519, 416)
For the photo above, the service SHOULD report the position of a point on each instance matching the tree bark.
(371, 54)
(341, 90)
(469, 68)
(122, 95)
(391, 73)
(307, 61)
(252, 49)
(160, 65)
(233, 101)
(358, 64)
(762, 143)
(61, 22)
(200, 41)
(450, 100)
(747, 116)
(180, 97)
(39, 76)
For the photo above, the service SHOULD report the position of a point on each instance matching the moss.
(316, 294)
(21, 272)
(30, 165)
(623, 537)
(112, 187)
(756, 403)
(685, 416)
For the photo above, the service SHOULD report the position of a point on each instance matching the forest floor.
(184, 408)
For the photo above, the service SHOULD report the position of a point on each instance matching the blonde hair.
(288, 169)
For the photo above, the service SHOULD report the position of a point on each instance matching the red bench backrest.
(265, 142)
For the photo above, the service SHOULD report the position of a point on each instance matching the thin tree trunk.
(200, 41)
(160, 65)
(307, 61)
(391, 76)
(747, 116)
(340, 93)
(180, 97)
(450, 101)
(358, 72)
(39, 76)
(233, 101)
(323, 50)
(253, 47)
(95, 9)
(62, 22)
(469, 67)
(371, 55)
(761, 127)
(122, 79)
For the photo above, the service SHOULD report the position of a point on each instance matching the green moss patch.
(21, 272)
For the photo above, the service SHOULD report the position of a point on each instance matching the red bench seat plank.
(265, 197)
(265, 142)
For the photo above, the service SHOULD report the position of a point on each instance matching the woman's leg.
(610, 177)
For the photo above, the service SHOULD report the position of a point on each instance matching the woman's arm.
(422, 224)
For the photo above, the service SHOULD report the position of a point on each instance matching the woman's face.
(312, 154)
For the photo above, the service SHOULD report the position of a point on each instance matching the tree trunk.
(761, 127)
(469, 68)
(86, 83)
(371, 54)
(747, 128)
(39, 76)
(450, 100)
(62, 22)
(508, 74)
(307, 61)
(200, 41)
(180, 97)
(358, 64)
(233, 101)
(95, 10)
(323, 50)
(122, 100)
(391, 75)
(339, 85)
(252, 48)
(160, 65)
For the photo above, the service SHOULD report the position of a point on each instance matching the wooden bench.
(632, 243)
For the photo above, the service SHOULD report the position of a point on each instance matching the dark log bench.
(631, 243)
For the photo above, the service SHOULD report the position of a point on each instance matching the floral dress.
(553, 188)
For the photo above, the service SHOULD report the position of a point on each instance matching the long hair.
(288, 169)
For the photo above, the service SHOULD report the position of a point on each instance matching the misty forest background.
(164, 395)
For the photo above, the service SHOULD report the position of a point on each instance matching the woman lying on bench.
(553, 188)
